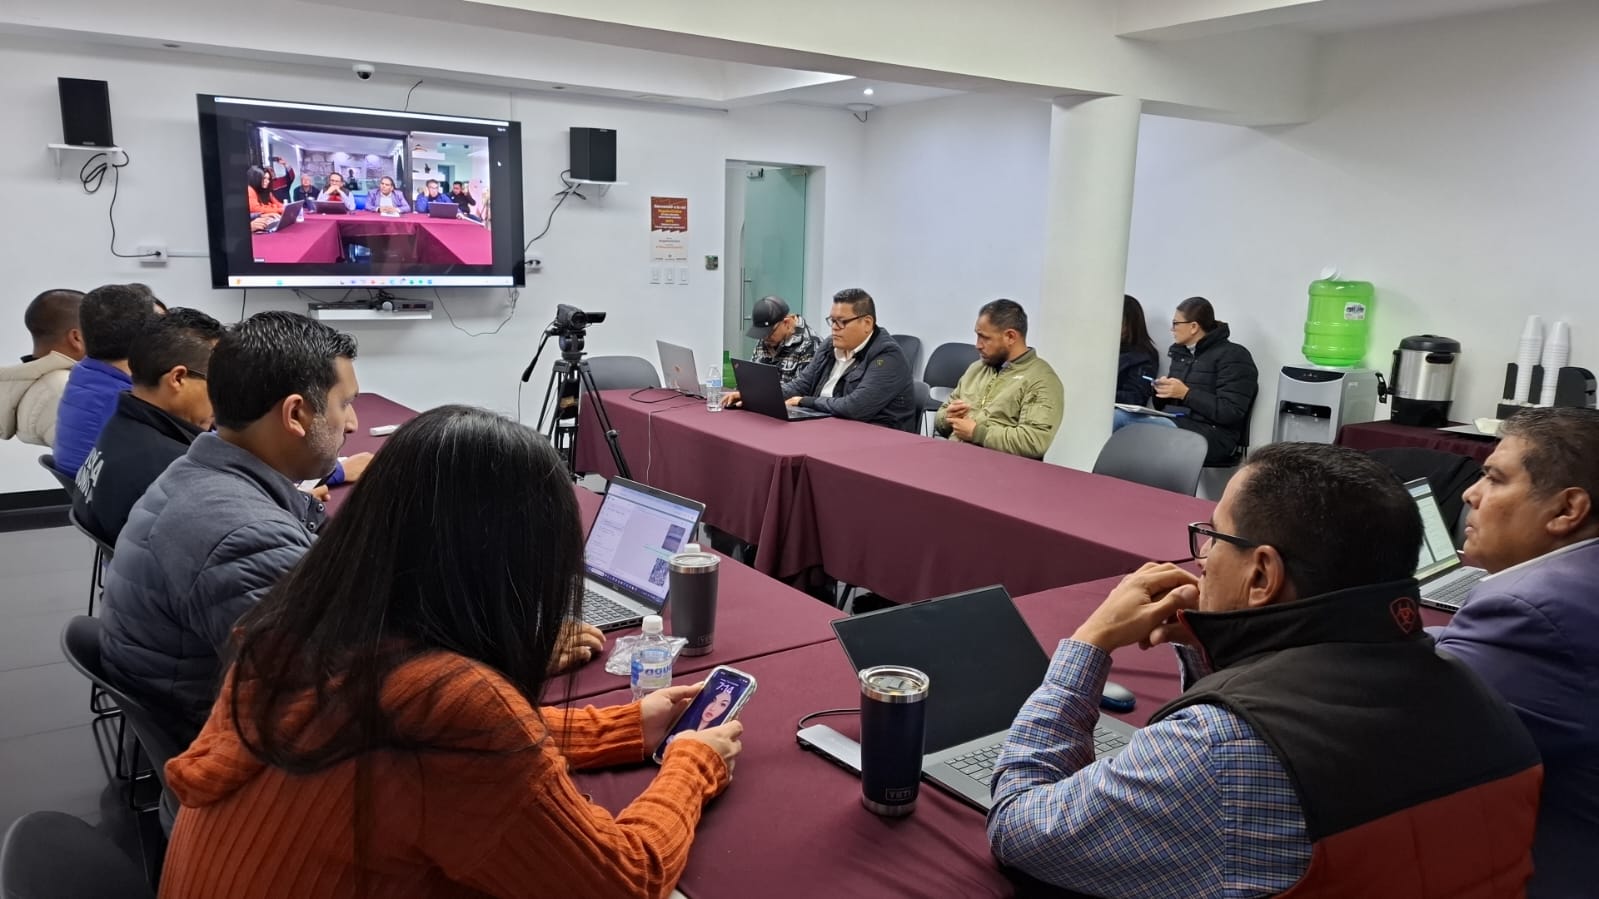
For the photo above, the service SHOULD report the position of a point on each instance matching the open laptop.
(678, 371)
(440, 210)
(760, 389)
(982, 662)
(332, 207)
(636, 531)
(291, 215)
(1445, 580)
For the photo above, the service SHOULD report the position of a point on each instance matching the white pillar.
(1093, 145)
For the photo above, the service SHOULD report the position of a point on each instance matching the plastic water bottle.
(713, 388)
(652, 660)
(1339, 318)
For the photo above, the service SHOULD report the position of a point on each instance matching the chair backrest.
(1167, 458)
(100, 542)
(48, 463)
(53, 855)
(80, 643)
(613, 372)
(1449, 474)
(912, 348)
(948, 362)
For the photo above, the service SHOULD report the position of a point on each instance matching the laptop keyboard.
(599, 609)
(979, 764)
(1452, 594)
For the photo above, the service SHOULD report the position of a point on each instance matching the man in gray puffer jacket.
(219, 527)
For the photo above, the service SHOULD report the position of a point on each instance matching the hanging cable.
(92, 177)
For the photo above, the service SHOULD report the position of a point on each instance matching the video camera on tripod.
(570, 381)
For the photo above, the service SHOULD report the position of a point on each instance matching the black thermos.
(893, 728)
(691, 595)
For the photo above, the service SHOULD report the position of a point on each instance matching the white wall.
(1451, 163)
(956, 216)
(596, 255)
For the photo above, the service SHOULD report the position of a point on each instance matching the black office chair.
(1213, 479)
(99, 705)
(1166, 458)
(912, 348)
(80, 643)
(944, 369)
(1449, 474)
(613, 372)
(53, 855)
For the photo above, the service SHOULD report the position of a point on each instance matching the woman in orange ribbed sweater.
(379, 731)
(262, 200)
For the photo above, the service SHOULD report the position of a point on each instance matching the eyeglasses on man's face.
(1202, 536)
(1178, 324)
(838, 323)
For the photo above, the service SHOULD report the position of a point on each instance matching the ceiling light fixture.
(868, 92)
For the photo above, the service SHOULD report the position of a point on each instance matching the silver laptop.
(290, 216)
(636, 531)
(678, 371)
(982, 661)
(1445, 581)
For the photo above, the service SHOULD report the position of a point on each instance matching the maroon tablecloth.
(935, 517)
(745, 467)
(371, 410)
(755, 616)
(791, 823)
(1385, 434)
(320, 238)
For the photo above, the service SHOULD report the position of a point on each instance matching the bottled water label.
(652, 670)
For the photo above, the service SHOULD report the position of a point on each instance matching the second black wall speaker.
(85, 113)
(593, 154)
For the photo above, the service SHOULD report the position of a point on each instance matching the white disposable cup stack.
(1556, 353)
(1528, 352)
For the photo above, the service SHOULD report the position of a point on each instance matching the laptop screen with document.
(634, 535)
(1438, 544)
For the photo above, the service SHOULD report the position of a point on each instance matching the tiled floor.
(50, 757)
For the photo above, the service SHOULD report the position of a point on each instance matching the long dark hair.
(1135, 330)
(1200, 312)
(262, 194)
(462, 537)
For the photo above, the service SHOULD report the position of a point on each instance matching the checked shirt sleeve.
(1196, 805)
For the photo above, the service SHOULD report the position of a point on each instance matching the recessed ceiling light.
(868, 92)
(171, 46)
(557, 87)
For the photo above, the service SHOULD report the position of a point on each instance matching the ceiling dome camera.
(364, 70)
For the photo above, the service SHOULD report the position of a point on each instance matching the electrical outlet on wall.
(151, 254)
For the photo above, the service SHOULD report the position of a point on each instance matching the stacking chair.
(1161, 457)
(944, 369)
(912, 348)
(614, 372)
(53, 855)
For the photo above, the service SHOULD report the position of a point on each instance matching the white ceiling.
(884, 93)
(355, 146)
(1338, 16)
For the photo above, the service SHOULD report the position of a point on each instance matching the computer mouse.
(1117, 698)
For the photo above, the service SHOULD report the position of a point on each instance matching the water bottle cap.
(690, 548)
(652, 624)
(1329, 273)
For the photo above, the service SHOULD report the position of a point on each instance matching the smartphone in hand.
(718, 702)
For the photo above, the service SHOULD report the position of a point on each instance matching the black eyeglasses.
(836, 323)
(193, 373)
(1202, 535)
(1174, 324)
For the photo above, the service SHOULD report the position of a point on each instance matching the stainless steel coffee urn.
(1423, 380)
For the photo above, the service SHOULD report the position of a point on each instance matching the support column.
(1093, 146)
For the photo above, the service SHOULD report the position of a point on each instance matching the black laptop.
(760, 389)
(982, 663)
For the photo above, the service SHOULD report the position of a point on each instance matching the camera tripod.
(572, 384)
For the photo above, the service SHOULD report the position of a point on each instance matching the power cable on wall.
(92, 177)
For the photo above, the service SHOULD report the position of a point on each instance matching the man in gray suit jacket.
(1531, 628)
(219, 527)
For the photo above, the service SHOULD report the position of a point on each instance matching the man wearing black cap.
(785, 340)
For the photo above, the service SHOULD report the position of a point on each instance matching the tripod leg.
(604, 419)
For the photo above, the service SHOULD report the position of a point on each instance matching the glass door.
(772, 242)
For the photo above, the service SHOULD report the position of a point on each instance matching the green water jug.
(1336, 327)
(728, 381)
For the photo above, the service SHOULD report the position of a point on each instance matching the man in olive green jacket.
(1009, 400)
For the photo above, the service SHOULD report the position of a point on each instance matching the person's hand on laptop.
(1141, 603)
(578, 644)
(730, 399)
(793, 400)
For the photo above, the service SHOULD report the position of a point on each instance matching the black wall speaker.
(85, 113)
(593, 154)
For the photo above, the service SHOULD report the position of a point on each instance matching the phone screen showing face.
(718, 702)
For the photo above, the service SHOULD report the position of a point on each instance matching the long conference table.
(906, 516)
(791, 823)
(321, 238)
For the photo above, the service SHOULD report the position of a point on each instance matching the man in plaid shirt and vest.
(785, 340)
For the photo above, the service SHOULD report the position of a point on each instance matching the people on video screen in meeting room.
(1306, 601)
(282, 177)
(336, 192)
(263, 202)
(860, 374)
(307, 191)
(377, 677)
(1531, 628)
(386, 198)
(431, 193)
(462, 197)
(1212, 380)
(782, 337)
(1009, 400)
